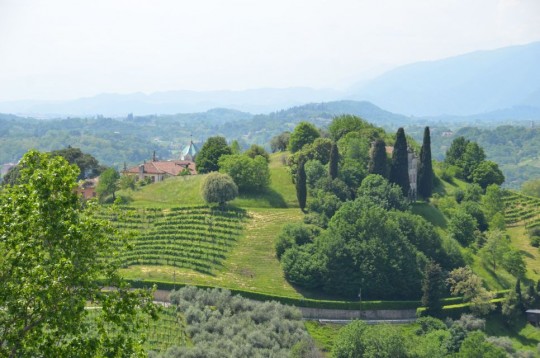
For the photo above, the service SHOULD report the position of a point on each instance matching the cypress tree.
(425, 168)
(399, 168)
(432, 288)
(378, 163)
(301, 189)
(333, 163)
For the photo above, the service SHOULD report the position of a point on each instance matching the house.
(87, 188)
(159, 170)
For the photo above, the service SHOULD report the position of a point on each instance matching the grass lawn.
(531, 254)
(323, 334)
(250, 265)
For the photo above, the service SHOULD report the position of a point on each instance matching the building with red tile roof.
(159, 170)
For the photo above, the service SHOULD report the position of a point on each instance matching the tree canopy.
(208, 157)
(249, 174)
(218, 188)
(54, 251)
(304, 133)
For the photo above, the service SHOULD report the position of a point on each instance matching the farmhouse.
(158, 170)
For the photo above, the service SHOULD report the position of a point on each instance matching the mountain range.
(502, 83)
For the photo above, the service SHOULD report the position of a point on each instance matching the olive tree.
(218, 188)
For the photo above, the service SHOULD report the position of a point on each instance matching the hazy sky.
(59, 49)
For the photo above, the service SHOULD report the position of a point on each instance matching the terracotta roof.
(173, 167)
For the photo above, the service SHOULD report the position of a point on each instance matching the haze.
(62, 49)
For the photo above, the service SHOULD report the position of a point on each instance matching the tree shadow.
(527, 254)
(269, 196)
(503, 282)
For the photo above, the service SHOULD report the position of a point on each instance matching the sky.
(65, 49)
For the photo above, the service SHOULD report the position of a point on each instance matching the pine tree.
(334, 159)
(301, 189)
(377, 159)
(399, 168)
(425, 168)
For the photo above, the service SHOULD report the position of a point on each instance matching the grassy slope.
(182, 191)
(251, 264)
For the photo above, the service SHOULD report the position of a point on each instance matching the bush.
(218, 188)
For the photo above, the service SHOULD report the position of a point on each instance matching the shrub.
(249, 174)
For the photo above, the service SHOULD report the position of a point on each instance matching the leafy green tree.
(461, 227)
(425, 168)
(357, 339)
(474, 209)
(487, 173)
(296, 234)
(473, 156)
(303, 265)
(218, 188)
(476, 346)
(54, 252)
(280, 142)
(301, 187)
(208, 158)
(249, 174)
(493, 201)
(513, 263)
(473, 192)
(494, 249)
(364, 248)
(304, 133)
(399, 168)
(12, 176)
(256, 150)
(334, 161)
(531, 187)
(432, 288)
(107, 184)
(324, 202)
(314, 172)
(344, 124)
(455, 153)
(463, 281)
(88, 165)
(127, 182)
(382, 193)
(235, 147)
(378, 162)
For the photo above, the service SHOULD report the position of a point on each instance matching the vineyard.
(197, 238)
(521, 210)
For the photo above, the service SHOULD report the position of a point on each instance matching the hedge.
(293, 301)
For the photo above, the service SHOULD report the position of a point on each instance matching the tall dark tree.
(334, 160)
(425, 168)
(378, 164)
(301, 189)
(208, 158)
(432, 288)
(399, 168)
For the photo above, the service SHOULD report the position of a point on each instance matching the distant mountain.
(477, 82)
(263, 100)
